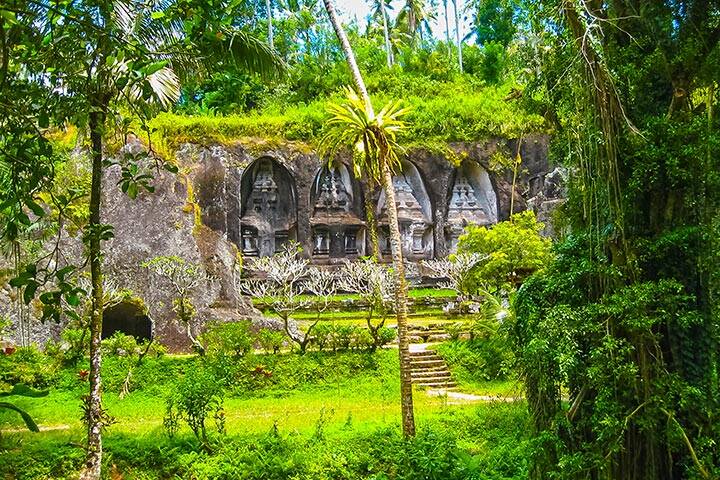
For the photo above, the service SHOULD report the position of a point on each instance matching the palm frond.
(371, 137)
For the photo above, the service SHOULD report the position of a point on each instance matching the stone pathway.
(469, 397)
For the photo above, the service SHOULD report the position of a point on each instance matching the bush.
(480, 359)
(228, 339)
(196, 396)
(515, 249)
(29, 366)
(271, 341)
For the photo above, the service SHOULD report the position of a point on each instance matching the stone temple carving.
(338, 228)
(268, 207)
(472, 201)
(414, 215)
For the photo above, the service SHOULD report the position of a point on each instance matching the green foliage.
(195, 397)
(480, 359)
(514, 249)
(232, 339)
(271, 341)
(29, 366)
(487, 442)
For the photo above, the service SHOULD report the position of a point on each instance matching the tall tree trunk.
(447, 29)
(94, 400)
(406, 399)
(401, 294)
(457, 35)
(268, 7)
(372, 220)
(386, 32)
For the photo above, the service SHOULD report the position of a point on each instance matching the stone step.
(429, 368)
(428, 363)
(423, 353)
(423, 375)
(449, 384)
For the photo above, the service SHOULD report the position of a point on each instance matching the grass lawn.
(369, 403)
(319, 416)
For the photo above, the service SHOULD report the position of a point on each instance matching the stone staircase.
(427, 334)
(428, 369)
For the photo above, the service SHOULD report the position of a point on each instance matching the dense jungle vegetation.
(592, 356)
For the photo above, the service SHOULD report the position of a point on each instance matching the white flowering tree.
(456, 271)
(375, 285)
(185, 278)
(281, 280)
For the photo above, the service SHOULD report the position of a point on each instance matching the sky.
(360, 9)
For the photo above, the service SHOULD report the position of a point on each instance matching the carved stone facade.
(282, 194)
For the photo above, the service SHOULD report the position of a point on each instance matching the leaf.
(154, 67)
(43, 120)
(157, 15)
(132, 190)
(29, 292)
(29, 422)
(170, 167)
(36, 209)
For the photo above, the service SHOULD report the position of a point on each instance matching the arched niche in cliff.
(472, 200)
(128, 318)
(414, 215)
(268, 208)
(338, 229)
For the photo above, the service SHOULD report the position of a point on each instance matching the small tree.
(514, 250)
(457, 271)
(195, 397)
(374, 284)
(185, 278)
(281, 279)
(322, 284)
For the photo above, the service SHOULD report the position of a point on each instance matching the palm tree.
(268, 9)
(416, 16)
(375, 135)
(447, 27)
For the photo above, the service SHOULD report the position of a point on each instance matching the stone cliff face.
(233, 202)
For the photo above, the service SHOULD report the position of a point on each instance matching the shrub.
(197, 396)
(29, 366)
(515, 249)
(271, 341)
(480, 359)
(233, 339)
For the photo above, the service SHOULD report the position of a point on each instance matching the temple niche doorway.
(414, 215)
(268, 208)
(472, 200)
(338, 228)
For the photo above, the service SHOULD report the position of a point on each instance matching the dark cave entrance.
(128, 318)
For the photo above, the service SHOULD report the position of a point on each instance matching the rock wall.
(232, 202)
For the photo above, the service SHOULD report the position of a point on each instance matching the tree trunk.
(371, 220)
(457, 35)
(268, 7)
(93, 462)
(401, 294)
(447, 29)
(386, 32)
(406, 399)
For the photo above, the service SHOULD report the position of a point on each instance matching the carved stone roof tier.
(336, 218)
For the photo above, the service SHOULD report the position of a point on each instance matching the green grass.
(323, 416)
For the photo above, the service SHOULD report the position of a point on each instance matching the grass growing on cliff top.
(454, 114)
